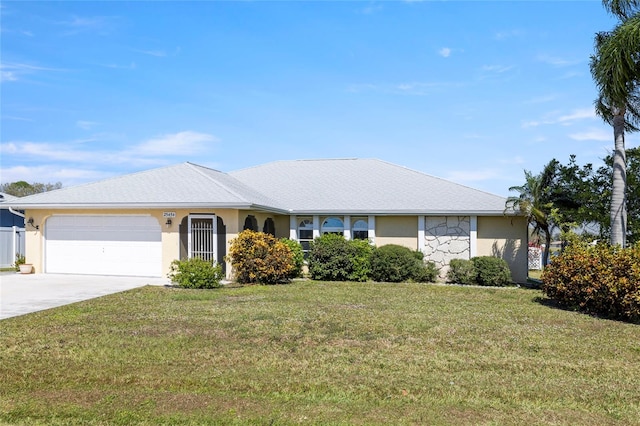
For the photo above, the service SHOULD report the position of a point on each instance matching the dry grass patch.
(318, 352)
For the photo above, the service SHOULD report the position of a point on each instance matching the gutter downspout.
(17, 213)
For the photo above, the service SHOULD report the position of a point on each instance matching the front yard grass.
(319, 353)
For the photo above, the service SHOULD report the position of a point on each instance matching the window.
(251, 223)
(360, 230)
(305, 234)
(269, 227)
(332, 225)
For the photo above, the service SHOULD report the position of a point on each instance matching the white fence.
(535, 258)
(11, 243)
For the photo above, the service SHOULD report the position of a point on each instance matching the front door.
(202, 236)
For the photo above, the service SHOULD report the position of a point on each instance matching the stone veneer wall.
(446, 238)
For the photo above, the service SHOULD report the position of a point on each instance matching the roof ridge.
(197, 167)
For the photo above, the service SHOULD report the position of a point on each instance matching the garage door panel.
(104, 245)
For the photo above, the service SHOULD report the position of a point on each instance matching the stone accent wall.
(446, 238)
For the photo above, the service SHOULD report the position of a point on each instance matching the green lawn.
(319, 353)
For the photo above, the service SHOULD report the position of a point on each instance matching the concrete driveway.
(22, 294)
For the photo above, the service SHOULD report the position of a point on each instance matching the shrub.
(395, 263)
(461, 271)
(331, 258)
(601, 280)
(258, 257)
(361, 259)
(491, 271)
(428, 273)
(297, 256)
(196, 273)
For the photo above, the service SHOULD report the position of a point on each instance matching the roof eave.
(406, 212)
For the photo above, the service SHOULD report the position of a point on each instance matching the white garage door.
(103, 245)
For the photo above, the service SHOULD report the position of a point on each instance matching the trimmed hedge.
(491, 271)
(395, 263)
(258, 257)
(196, 273)
(480, 270)
(461, 271)
(332, 258)
(600, 280)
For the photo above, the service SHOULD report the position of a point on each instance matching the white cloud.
(13, 71)
(52, 173)
(557, 61)
(541, 99)
(156, 53)
(181, 143)
(86, 125)
(497, 68)
(445, 52)
(414, 88)
(503, 35)
(593, 135)
(157, 151)
(565, 120)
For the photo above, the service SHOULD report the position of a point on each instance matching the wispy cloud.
(555, 117)
(52, 173)
(159, 150)
(408, 88)
(81, 24)
(592, 135)
(371, 9)
(131, 66)
(187, 142)
(541, 99)
(156, 53)
(557, 61)
(507, 34)
(498, 69)
(445, 52)
(86, 125)
(15, 71)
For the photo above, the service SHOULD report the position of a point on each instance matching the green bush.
(427, 273)
(461, 271)
(196, 273)
(257, 257)
(331, 258)
(297, 256)
(395, 263)
(600, 280)
(491, 271)
(361, 260)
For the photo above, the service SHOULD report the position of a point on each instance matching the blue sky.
(474, 92)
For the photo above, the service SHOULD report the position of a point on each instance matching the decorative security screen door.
(203, 236)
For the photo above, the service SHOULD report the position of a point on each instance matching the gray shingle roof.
(186, 184)
(364, 186)
(346, 186)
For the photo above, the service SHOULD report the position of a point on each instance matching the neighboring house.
(11, 232)
(9, 218)
(138, 224)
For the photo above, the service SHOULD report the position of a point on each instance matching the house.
(9, 217)
(139, 223)
(11, 232)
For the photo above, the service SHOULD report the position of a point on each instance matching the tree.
(22, 188)
(536, 203)
(586, 195)
(615, 67)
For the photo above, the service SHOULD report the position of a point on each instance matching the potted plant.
(22, 266)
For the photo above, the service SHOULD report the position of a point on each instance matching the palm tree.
(615, 68)
(535, 203)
